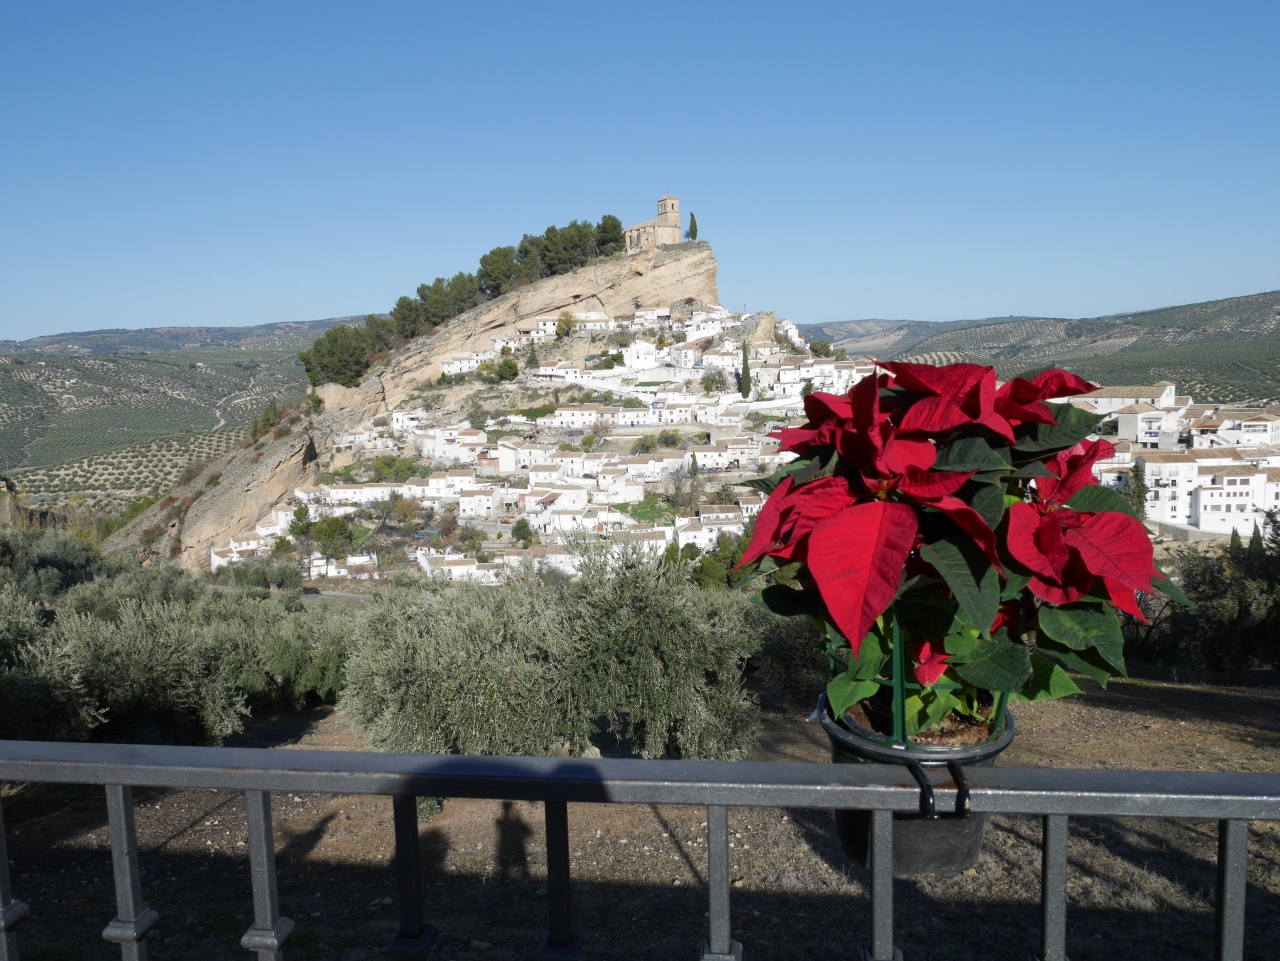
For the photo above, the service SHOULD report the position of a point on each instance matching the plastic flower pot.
(946, 845)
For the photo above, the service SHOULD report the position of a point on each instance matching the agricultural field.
(103, 484)
(1235, 372)
(1018, 343)
(55, 409)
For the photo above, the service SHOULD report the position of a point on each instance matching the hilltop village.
(594, 407)
(654, 457)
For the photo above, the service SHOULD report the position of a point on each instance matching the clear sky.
(240, 163)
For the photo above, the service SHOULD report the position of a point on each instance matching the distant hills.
(1220, 350)
(168, 339)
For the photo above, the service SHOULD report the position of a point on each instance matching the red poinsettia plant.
(949, 539)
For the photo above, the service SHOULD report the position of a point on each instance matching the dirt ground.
(1137, 889)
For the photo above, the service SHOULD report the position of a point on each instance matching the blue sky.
(240, 163)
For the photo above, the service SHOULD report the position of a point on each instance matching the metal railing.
(1055, 795)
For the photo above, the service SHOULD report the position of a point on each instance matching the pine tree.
(1135, 491)
(693, 226)
(746, 372)
(1235, 544)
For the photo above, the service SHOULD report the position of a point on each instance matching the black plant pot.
(946, 845)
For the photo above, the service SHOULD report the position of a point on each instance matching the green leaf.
(997, 664)
(971, 577)
(986, 499)
(961, 646)
(1081, 625)
(1027, 471)
(1048, 682)
(766, 485)
(1170, 590)
(915, 714)
(844, 691)
(784, 601)
(1073, 425)
(971, 454)
(937, 705)
(1088, 662)
(1096, 499)
(866, 666)
(1014, 583)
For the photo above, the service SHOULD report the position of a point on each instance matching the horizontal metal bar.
(766, 784)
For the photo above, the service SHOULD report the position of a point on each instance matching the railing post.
(133, 918)
(11, 911)
(269, 929)
(882, 948)
(1228, 902)
(415, 937)
(1053, 888)
(561, 944)
(718, 946)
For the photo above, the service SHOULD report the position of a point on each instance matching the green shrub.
(471, 669)
(662, 658)
(792, 660)
(529, 666)
(156, 674)
(1235, 624)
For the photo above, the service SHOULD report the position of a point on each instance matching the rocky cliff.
(617, 286)
(250, 481)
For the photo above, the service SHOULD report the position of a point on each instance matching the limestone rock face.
(655, 278)
(251, 483)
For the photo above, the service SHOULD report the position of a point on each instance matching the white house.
(1109, 400)
(641, 355)
(1229, 498)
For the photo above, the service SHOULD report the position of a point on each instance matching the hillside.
(251, 480)
(167, 339)
(61, 408)
(1230, 371)
(1206, 346)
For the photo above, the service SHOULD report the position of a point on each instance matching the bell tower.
(669, 211)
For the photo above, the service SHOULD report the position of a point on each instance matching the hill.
(251, 480)
(1207, 346)
(56, 408)
(168, 339)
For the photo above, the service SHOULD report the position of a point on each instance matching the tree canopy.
(343, 354)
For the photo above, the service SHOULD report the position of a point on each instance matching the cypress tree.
(1235, 544)
(746, 371)
(693, 226)
(1255, 541)
(1136, 491)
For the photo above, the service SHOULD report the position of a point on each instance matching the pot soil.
(946, 845)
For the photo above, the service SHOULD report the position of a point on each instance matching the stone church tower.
(657, 233)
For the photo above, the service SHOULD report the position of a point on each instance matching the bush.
(148, 654)
(630, 646)
(1235, 624)
(155, 674)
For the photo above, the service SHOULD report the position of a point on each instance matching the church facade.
(657, 233)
